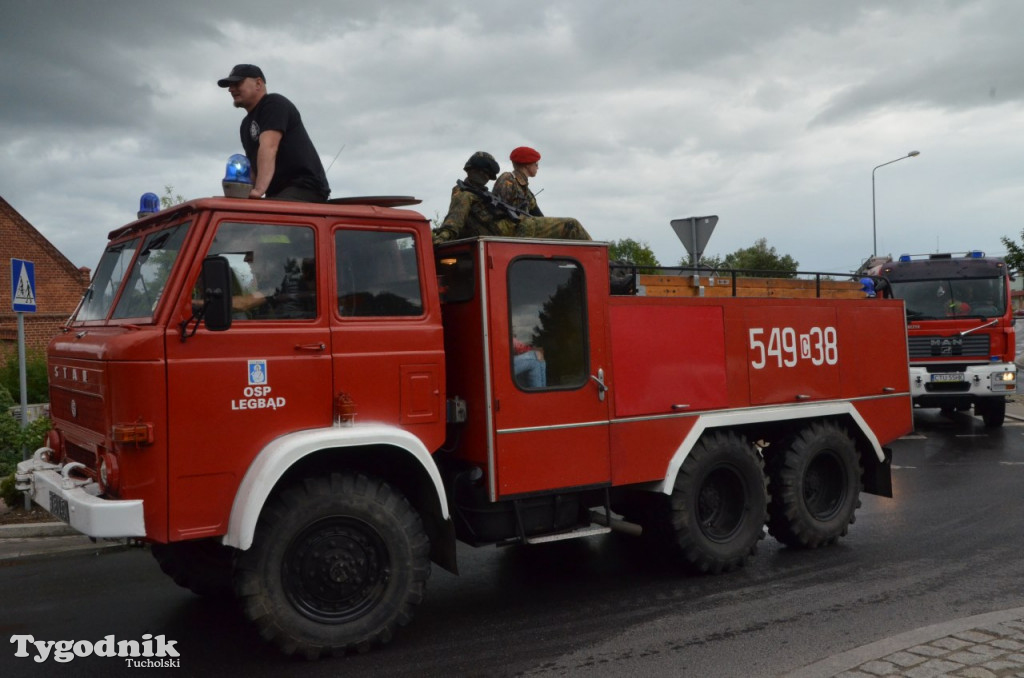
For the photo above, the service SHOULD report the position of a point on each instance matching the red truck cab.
(960, 328)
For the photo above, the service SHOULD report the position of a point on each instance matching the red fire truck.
(959, 330)
(305, 405)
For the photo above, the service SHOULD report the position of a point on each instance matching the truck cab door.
(234, 391)
(549, 360)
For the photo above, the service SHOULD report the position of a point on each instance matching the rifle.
(493, 201)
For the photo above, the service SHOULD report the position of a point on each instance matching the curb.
(28, 530)
(25, 540)
(845, 661)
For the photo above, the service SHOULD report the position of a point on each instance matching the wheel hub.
(824, 486)
(720, 504)
(336, 570)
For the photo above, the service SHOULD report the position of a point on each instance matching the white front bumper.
(979, 380)
(75, 501)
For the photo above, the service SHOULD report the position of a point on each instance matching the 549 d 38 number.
(785, 347)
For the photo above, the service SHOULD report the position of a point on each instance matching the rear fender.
(744, 418)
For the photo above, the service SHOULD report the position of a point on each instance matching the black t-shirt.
(297, 161)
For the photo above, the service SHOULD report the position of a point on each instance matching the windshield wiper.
(980, 327)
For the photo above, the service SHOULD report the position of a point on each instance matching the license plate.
(956, 376)
(59, 507)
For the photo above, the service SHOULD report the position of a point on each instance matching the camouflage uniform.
(515, 190)
(469, 216)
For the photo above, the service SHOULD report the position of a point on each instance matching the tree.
(1014, 253)
(170, 198)
(632, 252)
(704, 262)
(763, 261)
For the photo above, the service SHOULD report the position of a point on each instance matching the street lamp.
(874, 230)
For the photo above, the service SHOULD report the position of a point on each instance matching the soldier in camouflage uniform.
(475, 211)
(514, 187)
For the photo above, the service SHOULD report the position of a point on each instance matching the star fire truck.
(960, 330)
(305, 405)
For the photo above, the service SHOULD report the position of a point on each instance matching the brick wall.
(59, 284)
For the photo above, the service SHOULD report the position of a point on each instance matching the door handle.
(310, 347)
(601, 387)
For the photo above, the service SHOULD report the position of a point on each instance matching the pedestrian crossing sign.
(23, 285)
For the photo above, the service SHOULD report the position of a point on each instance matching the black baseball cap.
(240, 73)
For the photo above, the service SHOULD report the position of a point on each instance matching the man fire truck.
(960, 330)
(304, 405)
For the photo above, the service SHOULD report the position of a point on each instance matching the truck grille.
(80, 454)
(81, 409)
(948, 387)
(972, 345)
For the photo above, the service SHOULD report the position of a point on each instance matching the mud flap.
(878, 474)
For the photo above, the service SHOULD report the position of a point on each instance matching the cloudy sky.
(771, 115)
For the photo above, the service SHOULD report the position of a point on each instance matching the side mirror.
(216, 294)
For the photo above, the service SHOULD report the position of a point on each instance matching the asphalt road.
(949, 545)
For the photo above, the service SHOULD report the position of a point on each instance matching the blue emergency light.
(904, 257)
(976, 254)
(237, 177)
(238, 169)
(149, 203)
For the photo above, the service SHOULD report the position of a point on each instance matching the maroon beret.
(524, 155)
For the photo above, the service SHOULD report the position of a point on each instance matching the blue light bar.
(976, 254)
(904, 257)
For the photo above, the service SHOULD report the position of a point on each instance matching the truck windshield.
(946, 298)
(139, 269)
(110, 274)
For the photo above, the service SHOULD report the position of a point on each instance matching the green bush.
(8, 494)
(36, 376)
(13, 437)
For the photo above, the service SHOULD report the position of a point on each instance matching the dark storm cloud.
(77, 64)
(72, 63)
(771, 114)
(977, 66)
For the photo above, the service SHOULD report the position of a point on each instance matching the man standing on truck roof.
(284, 162)
(475, 211)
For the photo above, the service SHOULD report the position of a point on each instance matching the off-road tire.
(815, 484)
(338, 563)
(203, 566)
(718, 505)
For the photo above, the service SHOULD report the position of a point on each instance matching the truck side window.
(378, 274)
(547, 317)
(273, 270)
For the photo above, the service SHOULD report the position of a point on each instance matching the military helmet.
(483, 161)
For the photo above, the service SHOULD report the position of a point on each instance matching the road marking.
(897, 468)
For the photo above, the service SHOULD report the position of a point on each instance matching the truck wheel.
(815, 487)
(202, 566)
(337, 563)
(992, 411)
(717, 508)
